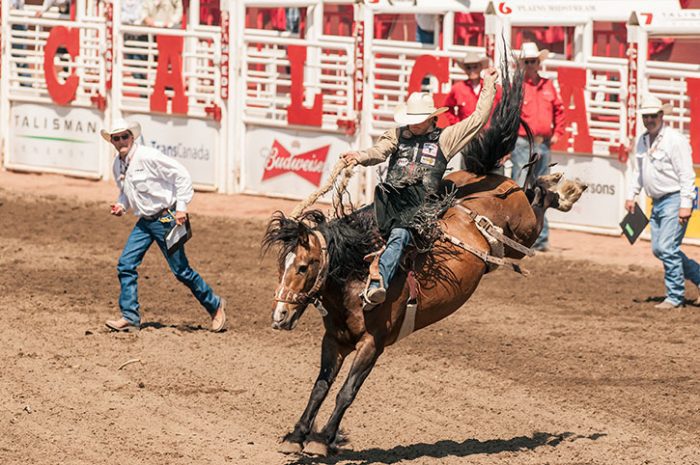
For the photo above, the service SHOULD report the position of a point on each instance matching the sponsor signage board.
(291, 163)
(602, 205)
(52, 138)
(693, 231)
(191, 141)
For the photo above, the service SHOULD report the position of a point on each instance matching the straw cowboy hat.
(474, 57)
(651, 105)
(530, 50)
(121, 125)
(418, 108)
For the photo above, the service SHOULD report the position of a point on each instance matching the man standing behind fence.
(463, 96)
(664, 167)
(543, 111)
(158, 189)
(163, 13)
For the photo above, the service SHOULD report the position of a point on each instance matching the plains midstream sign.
(62, 139)
(192, 142)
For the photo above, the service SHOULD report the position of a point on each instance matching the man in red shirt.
(462, 98)
(543, 111)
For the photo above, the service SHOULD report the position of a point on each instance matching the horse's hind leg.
(332, 356)
(366, 357)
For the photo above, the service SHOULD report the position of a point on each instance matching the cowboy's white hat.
(418, 108)
(651, 105)
(474, 57)
(121, 125)
(530, 50)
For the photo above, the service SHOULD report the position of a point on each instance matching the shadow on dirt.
(183, 328)
(443, 449)
(659, 299)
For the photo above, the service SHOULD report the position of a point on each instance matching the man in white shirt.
(157, 188)
(664, 167)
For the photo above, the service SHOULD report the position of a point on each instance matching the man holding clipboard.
(664, 168)
(157, 188)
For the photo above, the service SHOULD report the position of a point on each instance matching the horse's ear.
(313, 218)
(279, 230)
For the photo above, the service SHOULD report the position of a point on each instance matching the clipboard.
(634, 223)
(176, 237)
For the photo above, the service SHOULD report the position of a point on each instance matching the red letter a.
(572, 81)
(169, 55)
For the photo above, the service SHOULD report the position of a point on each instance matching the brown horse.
(321, 263)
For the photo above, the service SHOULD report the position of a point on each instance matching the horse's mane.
(349, 238)
(483, 151)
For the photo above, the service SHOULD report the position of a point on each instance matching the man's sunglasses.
(122, 137)
(652, 116)
(530, 61)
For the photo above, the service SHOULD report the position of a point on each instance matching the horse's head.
(303, 265)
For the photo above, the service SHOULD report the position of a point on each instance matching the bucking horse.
(484, 221)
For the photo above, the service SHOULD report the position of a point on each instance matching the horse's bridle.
(285, 295)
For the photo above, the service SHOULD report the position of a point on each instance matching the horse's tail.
(534, 156)
(483, 152)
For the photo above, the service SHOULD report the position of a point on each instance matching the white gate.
(54, 93)
(297, 97)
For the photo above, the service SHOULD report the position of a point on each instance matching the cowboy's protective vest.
(418, 159)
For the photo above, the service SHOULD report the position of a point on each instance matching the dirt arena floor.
(572, 365)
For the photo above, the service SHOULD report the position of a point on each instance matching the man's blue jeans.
(141, 237)
(520, 157)
(389, 261)
(666, 236)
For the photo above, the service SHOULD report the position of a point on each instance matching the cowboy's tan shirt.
(452, 139)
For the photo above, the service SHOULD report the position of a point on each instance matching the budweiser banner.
(290, 163)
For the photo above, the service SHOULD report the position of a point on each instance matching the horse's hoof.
(288, 447)
(549, 181)
(569, 193)
(316, 448)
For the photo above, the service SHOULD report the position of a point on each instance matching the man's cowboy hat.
(651, 105)
(530, 50)
(121, 125)
(418, 108)
(474, 57)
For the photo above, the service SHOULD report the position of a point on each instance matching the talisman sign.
(55, 138)
(307, 165)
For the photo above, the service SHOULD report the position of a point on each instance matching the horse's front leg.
(368, 351)
(332, 356)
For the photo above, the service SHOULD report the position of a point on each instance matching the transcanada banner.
(52, 138)
(291, 163)
(192, 142)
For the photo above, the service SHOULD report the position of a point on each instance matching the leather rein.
(288, 296)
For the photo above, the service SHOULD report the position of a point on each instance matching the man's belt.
(160, 214)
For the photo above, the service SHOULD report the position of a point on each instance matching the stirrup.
(373, 296)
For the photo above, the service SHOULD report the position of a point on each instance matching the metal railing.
(266, 75)
(137, 64)
(26, 43)
(605, 95)
(668, 82)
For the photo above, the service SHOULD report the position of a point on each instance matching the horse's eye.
(302, 269)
